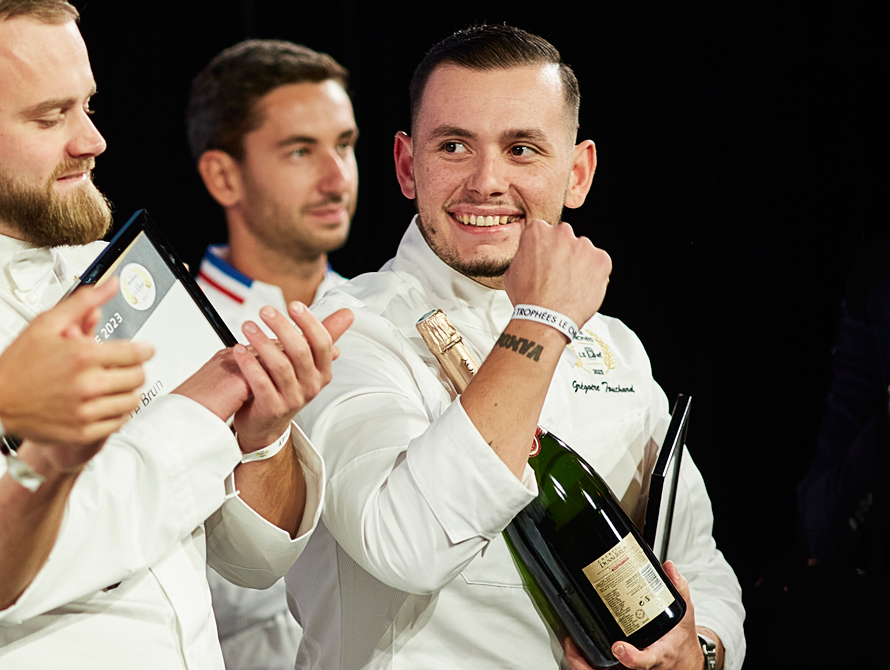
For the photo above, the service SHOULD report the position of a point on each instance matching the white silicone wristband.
(266, 452)
(561, 322)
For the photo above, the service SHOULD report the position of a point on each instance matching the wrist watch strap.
(20, 471)
(8, 441)
(709, 648)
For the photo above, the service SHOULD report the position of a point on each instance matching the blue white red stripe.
(218, 275)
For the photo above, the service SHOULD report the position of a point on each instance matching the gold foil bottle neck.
(447, 345)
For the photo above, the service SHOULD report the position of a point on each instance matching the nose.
(86, 141)
(488, 175)
(337, 172)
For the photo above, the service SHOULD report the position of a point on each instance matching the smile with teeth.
(484, 221)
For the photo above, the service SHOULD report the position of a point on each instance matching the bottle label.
(629, 586)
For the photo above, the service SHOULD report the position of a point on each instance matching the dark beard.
(475, 269)
(44, 219)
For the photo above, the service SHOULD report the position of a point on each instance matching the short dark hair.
(47, 11)
(493, 47)
(224, 95)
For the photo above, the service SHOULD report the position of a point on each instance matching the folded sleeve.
(414, 492)
(248, 550)
(151, 485)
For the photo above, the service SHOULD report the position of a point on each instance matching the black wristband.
(709, 649)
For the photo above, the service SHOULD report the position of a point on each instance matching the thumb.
(679, 580)
(80, 313)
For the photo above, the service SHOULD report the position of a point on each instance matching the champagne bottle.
(589, 570)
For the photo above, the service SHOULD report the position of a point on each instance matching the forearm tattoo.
(521, 345)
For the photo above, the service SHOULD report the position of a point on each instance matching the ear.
(404, 155)
(222, 176)
(583, 167)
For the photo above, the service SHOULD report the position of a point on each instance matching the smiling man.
(103, 542)
(477, 184)
(50, 197)
(272, 131)
(409, 568)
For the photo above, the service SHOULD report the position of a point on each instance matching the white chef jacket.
(408, 568)
(256, 628)
(124, 585)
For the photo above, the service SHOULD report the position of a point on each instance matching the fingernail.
(619, 650)
(268, 312)
(250, 327)
(297, 306)
(145, 349)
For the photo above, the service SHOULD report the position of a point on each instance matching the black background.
(737, 178)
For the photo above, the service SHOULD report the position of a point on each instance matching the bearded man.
(103, 543)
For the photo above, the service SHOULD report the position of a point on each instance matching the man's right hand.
(65, 394)
(58, 385)
(555, 269)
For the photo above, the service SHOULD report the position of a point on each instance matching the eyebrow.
(48, 106)
(306, 139)
(51, 105)
(441, 132)
(508, 135)
(524, 134)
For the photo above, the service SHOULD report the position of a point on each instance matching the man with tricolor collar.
(272, 132)
(421, 482)
(104, 540)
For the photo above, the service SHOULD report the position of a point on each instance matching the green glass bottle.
(587, 567)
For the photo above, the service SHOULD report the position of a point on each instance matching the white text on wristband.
(267, 452)
(561, 322)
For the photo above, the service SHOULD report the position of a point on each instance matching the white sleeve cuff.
(250, 551)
